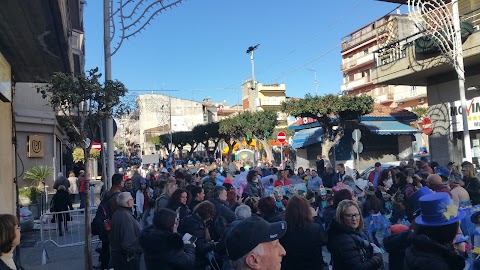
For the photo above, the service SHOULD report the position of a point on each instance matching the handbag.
(52, 204)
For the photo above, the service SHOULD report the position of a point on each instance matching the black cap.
(378, 164)
(246, 235)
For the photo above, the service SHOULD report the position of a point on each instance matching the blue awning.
(389, 128)
(306, 137)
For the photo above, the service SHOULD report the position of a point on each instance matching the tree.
(329, 110)
(230, 130)
(84, 103)
(260, 126)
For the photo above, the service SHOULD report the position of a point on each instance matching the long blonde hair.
(341, 208)
(470, 171)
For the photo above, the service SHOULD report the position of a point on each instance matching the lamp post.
(250, 51)
(316, 82)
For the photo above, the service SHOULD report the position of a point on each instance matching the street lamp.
(250, 51)
(316, 82)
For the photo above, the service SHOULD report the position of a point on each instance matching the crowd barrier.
(72, 235)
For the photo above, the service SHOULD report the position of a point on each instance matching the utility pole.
(250, 51)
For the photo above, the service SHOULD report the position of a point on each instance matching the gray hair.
(242, 263)
(123, 198)
(60, 174)
(243, 212)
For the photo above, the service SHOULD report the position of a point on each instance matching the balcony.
(411, 94)
(406, 62)
(384, 98)
(265, 102)
(355, 84)
(361, 61)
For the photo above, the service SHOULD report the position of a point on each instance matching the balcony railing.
(397, 50)
(411, 94)
(385, 98)
(355, 84)
(266, 102)
(357, 62)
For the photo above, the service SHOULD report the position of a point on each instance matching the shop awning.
(306, 137)
(389, 128)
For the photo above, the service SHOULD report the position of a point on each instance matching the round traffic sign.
(281, 137)
(358, 147)
(356, 135)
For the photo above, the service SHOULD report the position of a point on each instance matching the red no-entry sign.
(281, 136)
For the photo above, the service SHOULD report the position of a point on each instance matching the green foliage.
(79, 156)
(83, 101)
(343, 107)
(94, 154)
(32, 193)
(38, 174)
(421, 112)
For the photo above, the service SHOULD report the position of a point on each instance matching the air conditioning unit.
(421, 101)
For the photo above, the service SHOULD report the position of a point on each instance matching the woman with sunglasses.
(350, 246)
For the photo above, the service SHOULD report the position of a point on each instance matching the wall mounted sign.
(36, 146)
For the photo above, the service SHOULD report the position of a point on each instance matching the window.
(365, 52)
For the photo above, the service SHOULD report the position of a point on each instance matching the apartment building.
(269, 96)
(416, 60)
(358, 61)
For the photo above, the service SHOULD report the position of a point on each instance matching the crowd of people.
(239, 216)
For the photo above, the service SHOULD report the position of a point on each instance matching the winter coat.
(223, 209)
(83, 185)
(136, 178)
(61, 181)
(255, 190)
(73, 185)
(274, 217)
(350, 250)
(183, 210)
(304, 247)
(424, 253)
(161, 202)
(396, 245)
(124, 234)
(164, 250)
(61, 201)
(194, 203)
(139, 198)
(194, 225)
(472, 185)
(208, 185)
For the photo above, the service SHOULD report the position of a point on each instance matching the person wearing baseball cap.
(253, 244)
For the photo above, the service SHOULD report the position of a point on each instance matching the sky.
(198, 48)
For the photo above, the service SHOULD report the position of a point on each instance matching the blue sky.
(199, 47)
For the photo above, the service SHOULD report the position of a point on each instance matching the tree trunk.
(230, 150)
(105, 179)
(88, 229)
(268, 150)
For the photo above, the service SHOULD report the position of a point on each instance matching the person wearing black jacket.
(267, 210)
(164, 248)
(472, 184)
(219, 200)
(61, 201)
(348, 243)
(431, 245)
(125, 250)
(196, 225)
(395, 245)
(304, 238)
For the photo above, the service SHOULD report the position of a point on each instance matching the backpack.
(219, 224)
(101, 222)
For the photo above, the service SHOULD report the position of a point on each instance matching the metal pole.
(281, 156)
(171, 128)
(254, 85)
(108, 77)
(316, 84)
(461, 80)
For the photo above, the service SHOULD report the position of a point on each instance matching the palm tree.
(38, 174)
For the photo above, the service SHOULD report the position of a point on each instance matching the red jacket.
(82, 187)
(279, 183)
